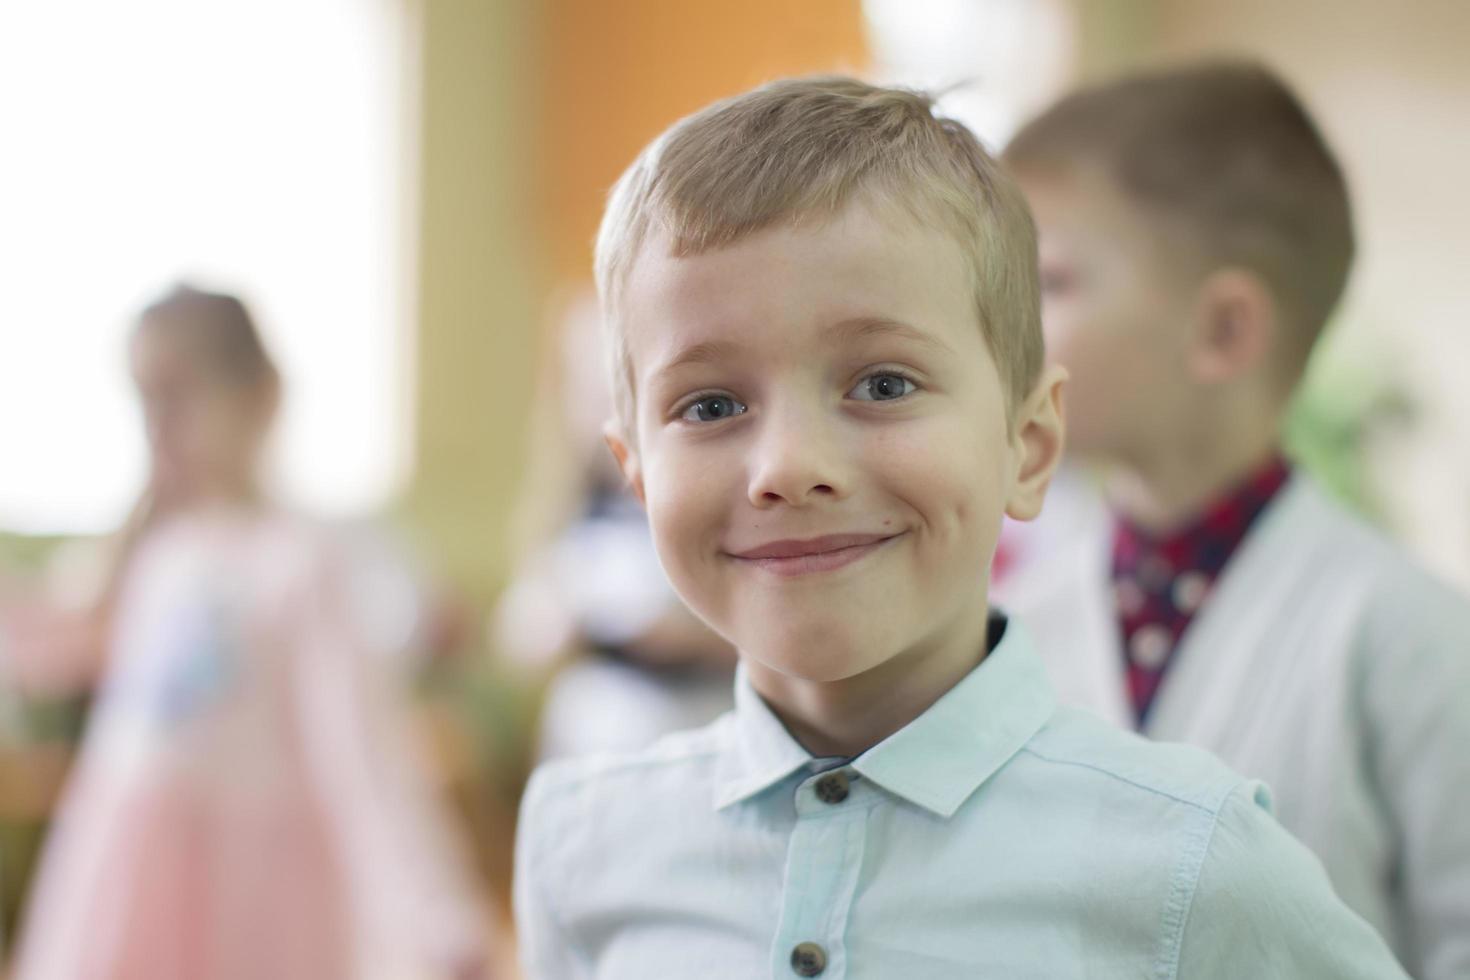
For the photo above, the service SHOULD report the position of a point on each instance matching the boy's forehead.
(855, 264)
(1076, 197)
(780, 318)
(1085, 209)
(1088, 216)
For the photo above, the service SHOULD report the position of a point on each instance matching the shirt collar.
(935, 761)
(762, 752)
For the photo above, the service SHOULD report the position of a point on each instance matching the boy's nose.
(796, 464)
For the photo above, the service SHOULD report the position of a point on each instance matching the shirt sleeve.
(1414, 691)
(1263, 907)
(546, 950)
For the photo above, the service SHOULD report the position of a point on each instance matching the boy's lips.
(803, 556)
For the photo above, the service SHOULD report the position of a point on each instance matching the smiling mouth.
(825, 554)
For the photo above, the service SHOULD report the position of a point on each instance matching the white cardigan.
(1324, 663)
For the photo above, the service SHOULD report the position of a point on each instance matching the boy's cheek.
(688, 524)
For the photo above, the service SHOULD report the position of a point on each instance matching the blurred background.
(404, 193)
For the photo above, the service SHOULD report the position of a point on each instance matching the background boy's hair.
(1229, 155)
(804, 149)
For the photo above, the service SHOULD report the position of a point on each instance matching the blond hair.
(805, 149)
(1225, 152)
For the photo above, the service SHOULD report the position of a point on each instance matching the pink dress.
(247, 802)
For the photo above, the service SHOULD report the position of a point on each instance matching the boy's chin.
(836, 658)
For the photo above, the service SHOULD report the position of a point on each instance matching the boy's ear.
(1039, 438)
(1236, 326)
(627, 458)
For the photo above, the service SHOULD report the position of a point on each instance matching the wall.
(616, 74)
(476, 283)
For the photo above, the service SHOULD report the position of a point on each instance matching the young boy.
(1195, 235)
(823, 309)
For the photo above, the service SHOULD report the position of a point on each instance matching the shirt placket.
(823, 861)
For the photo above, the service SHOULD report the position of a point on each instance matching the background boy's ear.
(627, 458)
(1039, 438)
(1235, 328)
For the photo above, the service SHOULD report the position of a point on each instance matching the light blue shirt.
(994, 836)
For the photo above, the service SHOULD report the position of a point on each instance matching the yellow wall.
(477, 275)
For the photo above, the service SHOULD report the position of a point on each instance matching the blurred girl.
(247, 801)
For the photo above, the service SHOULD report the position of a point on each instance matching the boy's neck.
(1161, 493)
(847, 717)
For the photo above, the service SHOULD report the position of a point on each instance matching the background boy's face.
(1113, 315)
(821, 392)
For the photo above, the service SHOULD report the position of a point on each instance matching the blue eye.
(713, 408)
(882, 388)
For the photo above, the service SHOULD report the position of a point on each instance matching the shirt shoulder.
(1263, 904)
(1342, 548)
(690, 749)
(1399, 614)
(577, 812)
(612, 795)
(1075, 739)
(1243, 894)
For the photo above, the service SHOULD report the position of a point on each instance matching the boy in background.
(1195, 234)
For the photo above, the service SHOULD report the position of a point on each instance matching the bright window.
(252, 147)
(997, 61)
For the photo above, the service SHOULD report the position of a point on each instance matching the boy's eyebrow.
(708, 352)
(866, 327)
(849, 330)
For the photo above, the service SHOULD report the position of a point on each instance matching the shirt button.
(808, 960)
(832, 788)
